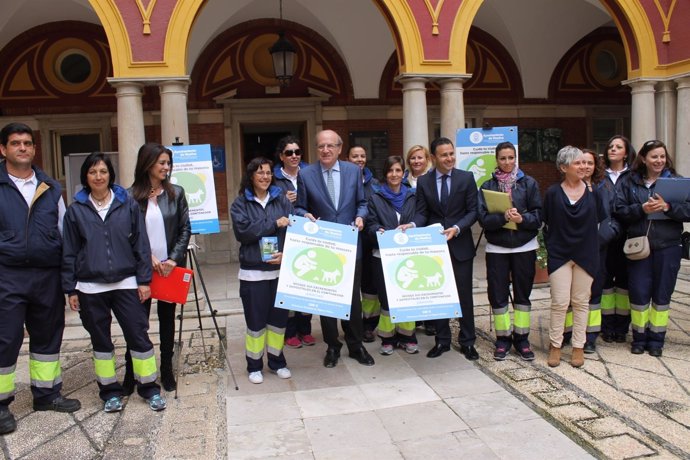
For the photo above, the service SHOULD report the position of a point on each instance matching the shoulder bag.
(637, 248)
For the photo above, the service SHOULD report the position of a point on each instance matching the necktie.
(330, 186)
(444, 191)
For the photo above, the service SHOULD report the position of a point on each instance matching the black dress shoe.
(368, 337)
(590, 347)
(607, 337)
(656, 352)
(437, 351)
(619, 338)
(430, 329)
(59, 404)
(362, 356)
(637, 349)
(469, 352)
(331, 358)
(7, 422)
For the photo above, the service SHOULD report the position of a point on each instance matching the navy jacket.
(251, 222)
(526, 199)
(29, 237)
(632, 194)
(382, 214)
(461, 211)
(105, 251)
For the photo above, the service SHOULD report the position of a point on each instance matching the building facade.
(112, 74)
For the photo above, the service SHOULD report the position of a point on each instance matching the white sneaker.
(256, 377)
(284, 373)
(386, 350)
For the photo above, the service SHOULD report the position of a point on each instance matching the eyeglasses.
(263, 173)
(328, 146)
(289, 153)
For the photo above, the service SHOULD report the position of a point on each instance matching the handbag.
(637, 248)
(685, 242)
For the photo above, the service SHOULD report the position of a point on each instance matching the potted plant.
(541, 275)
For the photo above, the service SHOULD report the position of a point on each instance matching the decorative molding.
(666, 18)
(146, 13)
(434, 12)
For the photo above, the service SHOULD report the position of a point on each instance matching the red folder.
(173, 288)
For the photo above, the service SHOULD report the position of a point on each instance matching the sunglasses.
(289, 153)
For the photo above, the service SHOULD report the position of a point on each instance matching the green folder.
(499, 202)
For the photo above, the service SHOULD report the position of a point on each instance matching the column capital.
(665, 86)
(683, 82)
(641, 85)
(127, 87)
(452, 79)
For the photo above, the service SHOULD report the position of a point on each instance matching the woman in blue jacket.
(615, 304)
(511, 253)
(391, 205)
(371, 308)
(106, 269)
(261, 210)
(653, 278)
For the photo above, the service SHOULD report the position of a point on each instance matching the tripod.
(194, 266)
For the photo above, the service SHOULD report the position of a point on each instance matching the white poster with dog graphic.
(193, 171)
(418, 274)
(318, 268)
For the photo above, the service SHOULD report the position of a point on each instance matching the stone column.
(665, 99)
(681, 151)
(174, 111)
(415, 121)
(130, 127)
(452, 106)
(643, 120)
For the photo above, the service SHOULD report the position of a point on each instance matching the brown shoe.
(578, 358)
(554, 357)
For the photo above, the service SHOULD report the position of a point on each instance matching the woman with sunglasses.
(298, 330)
(654, 277)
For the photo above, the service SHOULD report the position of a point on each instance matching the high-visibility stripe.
(622, 302)
(104, 366)
(144, 366)
(44, 370)
(386, 328)
(502, 322)
(406, 328)
(568, 325)
(594, 318)
(608, 302)
(370, 306)
(639, 317)
(7, 376)
(658, 317)
(254, 343)
(521, 319)
(275, 337)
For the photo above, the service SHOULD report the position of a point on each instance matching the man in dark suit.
(332, 190)
(448, 196)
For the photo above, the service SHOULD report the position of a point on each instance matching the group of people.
(101, 252)
(585, 219)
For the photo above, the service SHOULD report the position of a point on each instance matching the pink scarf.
(506, 181)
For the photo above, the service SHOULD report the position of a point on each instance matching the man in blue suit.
(332, 190)
(448, 196)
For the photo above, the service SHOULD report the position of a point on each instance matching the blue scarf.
(396, 199)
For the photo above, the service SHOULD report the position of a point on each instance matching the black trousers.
(96, 310)
(462, 271)
(353, 327)
(32, 296)
(166, 331)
